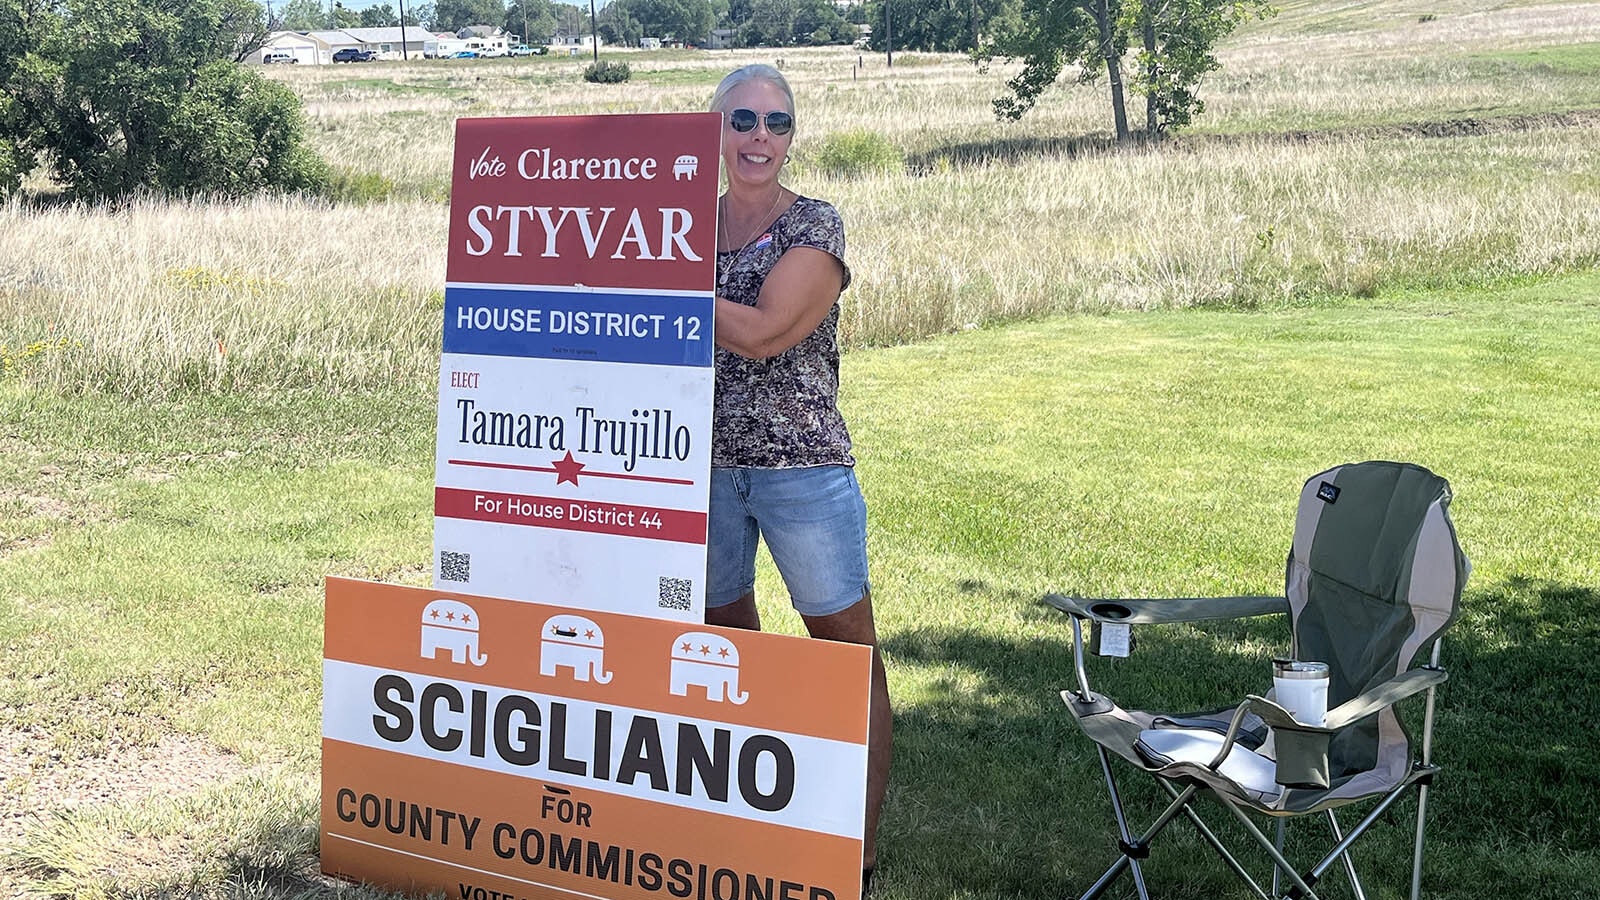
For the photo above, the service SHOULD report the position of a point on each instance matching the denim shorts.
(814, 521)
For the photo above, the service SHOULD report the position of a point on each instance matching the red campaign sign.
(532, 205)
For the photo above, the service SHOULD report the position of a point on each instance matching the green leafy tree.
(1177, 37)
(304, 15)
(119, 96)
(570, 19)
(617, 25)
(454, 15)
(685, 20)
(379, 17)
(937, 25)
(344, 18)
(533, 19)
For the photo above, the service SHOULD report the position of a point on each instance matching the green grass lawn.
(161, 565)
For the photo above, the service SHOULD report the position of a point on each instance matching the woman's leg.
(855, 625)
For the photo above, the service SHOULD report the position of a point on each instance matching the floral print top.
(782, 412)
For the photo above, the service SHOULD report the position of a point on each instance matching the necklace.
(722, 221)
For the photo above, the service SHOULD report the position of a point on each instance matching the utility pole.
(594, 35)
(888, 29)
(404, 53)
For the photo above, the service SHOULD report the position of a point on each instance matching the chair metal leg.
(1277, 873)
(1349, 862)
(1265, 844)
(1216, 843)
(1125, 861)
(1416, 856)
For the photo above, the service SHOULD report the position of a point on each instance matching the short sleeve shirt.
(781, 412)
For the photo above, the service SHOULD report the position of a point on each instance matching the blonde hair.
(745, 74)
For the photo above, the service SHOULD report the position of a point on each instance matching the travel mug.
(1302, 689)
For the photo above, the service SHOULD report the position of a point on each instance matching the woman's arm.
(795, 298)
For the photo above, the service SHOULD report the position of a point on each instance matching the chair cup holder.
(1302, 757)
(1107, 610)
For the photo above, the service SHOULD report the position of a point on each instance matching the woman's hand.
(794, 300)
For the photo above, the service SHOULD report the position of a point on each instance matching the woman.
(780, 452)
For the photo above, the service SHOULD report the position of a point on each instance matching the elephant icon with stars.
(708, 661)
(451, 625)
(573, 642)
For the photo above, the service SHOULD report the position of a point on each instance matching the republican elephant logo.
(686, 166)
(575, 643)
(709, 661)
(451, 625)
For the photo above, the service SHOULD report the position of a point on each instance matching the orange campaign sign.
(495, 750)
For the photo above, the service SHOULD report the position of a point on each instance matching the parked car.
(278, 56)
(525, 50)
(464, 54)
(353, 54)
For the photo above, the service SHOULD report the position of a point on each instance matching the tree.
(570, 19)
(532, 19)
(304, 15)
(684, 20)
(454, 15)
(379, 17)
(344, 18)
(937, 25)
(1177, 37)
(118, 96)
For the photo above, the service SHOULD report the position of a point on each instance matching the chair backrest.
(1375, 575)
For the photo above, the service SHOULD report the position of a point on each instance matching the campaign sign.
(575, 382)
(491, 748)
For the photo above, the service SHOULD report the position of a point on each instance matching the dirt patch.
(35, 780)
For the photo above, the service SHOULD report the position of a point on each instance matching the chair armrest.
(1177, 609)
(1302, 750)
(1386, 694)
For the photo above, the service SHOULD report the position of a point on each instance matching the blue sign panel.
(579, 325)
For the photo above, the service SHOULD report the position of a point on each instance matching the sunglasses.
(744, 121)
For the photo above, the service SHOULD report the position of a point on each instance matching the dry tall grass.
(990, 220)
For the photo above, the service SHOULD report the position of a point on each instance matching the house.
(649, 43)
(720, 39)
(574, 44)
(387, 42)
(302, 49)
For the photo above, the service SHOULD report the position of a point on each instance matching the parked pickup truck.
(352, 54)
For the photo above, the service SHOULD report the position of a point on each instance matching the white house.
(387, 42)
(302, 49)
(574, 44)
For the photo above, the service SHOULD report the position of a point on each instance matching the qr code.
(674, 593)
(455, 566)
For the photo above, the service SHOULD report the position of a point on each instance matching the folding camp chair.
(1374, 577)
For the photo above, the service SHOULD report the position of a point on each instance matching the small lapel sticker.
(1328, 493)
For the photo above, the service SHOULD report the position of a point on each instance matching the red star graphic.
(687, 647)
(465, 618)
(705, 650)
(436, 614)
(589, 633)
(567, 468)
(723, 653)
(450, 616)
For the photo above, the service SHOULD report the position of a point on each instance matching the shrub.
(858, 152)
(346, 186)
(235, 133)
(607, 72)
